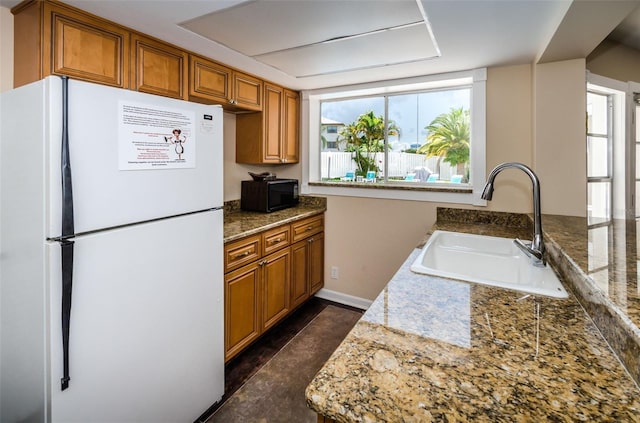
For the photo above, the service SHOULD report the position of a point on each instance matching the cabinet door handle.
(246, 253)
(311, 240)
(262, 263)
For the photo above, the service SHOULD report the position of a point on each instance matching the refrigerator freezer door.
(109, 127)
(146, 332)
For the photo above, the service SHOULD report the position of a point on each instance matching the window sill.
(436, 192)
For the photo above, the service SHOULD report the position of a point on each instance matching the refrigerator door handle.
(67, 232)
(68, 229)
(67, 284)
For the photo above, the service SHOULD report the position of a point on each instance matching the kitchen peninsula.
(432, 349)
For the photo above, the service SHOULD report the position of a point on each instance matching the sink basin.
(485, 260)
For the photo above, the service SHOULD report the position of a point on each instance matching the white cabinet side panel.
(22, 280)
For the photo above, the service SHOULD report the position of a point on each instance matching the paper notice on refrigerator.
(154, 137)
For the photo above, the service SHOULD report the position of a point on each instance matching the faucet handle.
(536, 255)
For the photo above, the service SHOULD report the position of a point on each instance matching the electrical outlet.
(334, 272)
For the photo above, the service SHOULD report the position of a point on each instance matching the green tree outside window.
(449, 138)
(365, 137)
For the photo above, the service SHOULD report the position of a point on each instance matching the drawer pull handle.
(309, 228)
(246, 253)
(275, 241)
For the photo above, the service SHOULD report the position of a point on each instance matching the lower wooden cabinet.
(316, 263)
(275, 288)
(256, 298)
(299, 285)
(241, 308)
(266, 278)
(307, 268)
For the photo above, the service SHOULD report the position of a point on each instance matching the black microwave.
(268, 196)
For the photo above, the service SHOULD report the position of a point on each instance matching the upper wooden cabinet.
(247, 92)
(211, 82)
(158, 68)
(53, 39)
(291, 128)
(270, 137)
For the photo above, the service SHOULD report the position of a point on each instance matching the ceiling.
(307, 44)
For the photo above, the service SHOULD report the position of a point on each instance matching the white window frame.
(466, 194)
(621, 154)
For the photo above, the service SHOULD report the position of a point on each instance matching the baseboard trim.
(345, 299)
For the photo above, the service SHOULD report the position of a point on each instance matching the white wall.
(615, 61)
(560, 136)
(509, 135)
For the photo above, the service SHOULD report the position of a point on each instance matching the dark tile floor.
(242, 367)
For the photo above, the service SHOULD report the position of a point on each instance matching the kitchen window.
(609, 154)
(418, 138)
(599, 157)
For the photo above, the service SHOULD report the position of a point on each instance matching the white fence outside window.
(336, 164)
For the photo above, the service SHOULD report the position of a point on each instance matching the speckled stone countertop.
(239, 223)
(433, 349)
(600, 264)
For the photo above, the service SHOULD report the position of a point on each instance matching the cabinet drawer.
(275, 239)
(241, 252)
(307, 227)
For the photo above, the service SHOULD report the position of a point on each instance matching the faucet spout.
(535, 249)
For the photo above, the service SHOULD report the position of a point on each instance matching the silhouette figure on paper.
(177, 139)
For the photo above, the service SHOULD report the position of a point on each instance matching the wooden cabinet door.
(159, 68)
(247, 91)
(209, 80)
(275, 288)
(242, 308)
(83, 47)
(270, 137)
(315, 258)
(272, 124)
(290, 142)
(299, 273)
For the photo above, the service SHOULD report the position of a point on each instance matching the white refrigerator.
(111, 280)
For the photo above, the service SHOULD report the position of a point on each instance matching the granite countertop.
(239, 223)
(433, 349)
